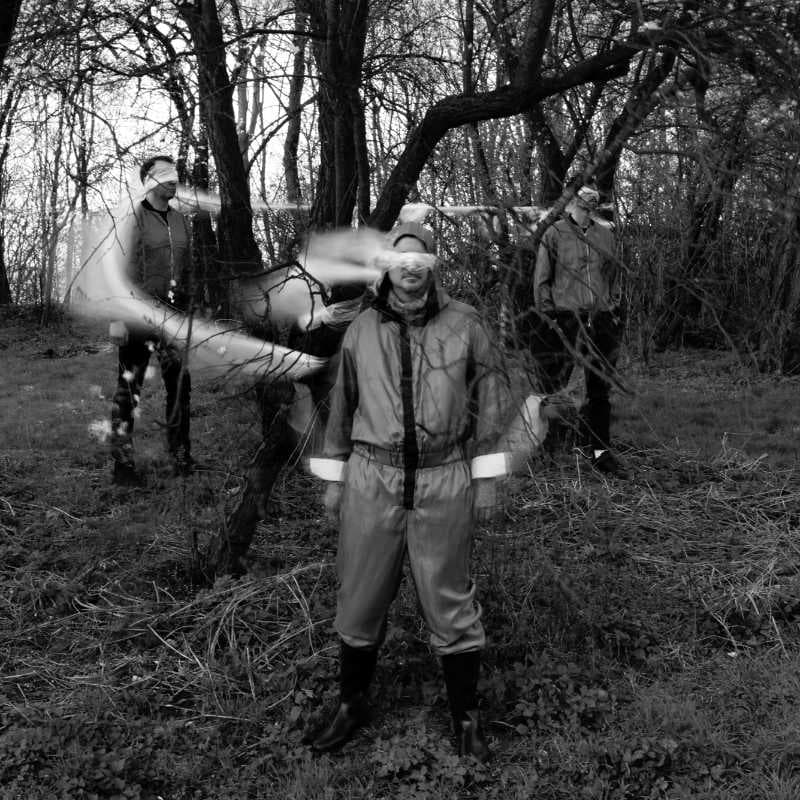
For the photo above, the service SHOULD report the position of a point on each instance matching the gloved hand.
(332, 500)
(485, 505)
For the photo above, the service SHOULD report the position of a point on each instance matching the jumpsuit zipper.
(410, 449)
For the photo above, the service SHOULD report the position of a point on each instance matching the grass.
(711, 404)
(643, 632)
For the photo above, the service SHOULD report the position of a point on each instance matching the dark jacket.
(160, 254)
(575, 271)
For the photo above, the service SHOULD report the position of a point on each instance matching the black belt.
(396, 458)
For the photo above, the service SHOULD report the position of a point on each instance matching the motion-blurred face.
(167, 190)
(163, 179)
(587, 199)
(410, 282)
(583, 204)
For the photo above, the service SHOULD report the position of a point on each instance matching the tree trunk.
(339, 55)
(53, 226)
(553, 165)
(8, 22)
(363, 194)
(239, 253)
(204, 240)
(6, 116)
(293, 111)
(5, 287)
(226, 551)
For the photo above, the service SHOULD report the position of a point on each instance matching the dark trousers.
(134, 357)
(561, 341)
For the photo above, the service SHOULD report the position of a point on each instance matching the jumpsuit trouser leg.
(376, 533)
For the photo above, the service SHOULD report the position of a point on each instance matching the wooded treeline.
(686, 113)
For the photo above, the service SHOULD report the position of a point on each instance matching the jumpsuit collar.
(437, 299)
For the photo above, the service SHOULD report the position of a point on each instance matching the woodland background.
(686, 113)
(645, 630)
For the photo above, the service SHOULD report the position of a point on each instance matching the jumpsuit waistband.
(397, 458)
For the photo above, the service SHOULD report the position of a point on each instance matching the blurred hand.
(332, 500)
(485, 505)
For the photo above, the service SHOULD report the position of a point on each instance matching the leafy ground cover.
(644, 631)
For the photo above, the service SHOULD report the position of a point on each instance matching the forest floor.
(644, 633)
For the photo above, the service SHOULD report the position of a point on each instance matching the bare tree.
(239, 253)
(8, 22)
(338, 47)
(294, 109)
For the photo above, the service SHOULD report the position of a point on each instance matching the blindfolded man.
(415, 412)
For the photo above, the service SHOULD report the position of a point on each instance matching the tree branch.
(456, 110)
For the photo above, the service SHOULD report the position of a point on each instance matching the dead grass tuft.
(643, 632)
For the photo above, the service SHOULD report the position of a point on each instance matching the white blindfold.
(412, 262)
(161, 172)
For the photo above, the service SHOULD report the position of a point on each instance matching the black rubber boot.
(471, 741)
(183, 464)
(356, 669)
(349, 717)
(461, 672)
(125, 474)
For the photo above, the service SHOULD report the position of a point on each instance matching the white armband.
(329, 469)
(493, 465)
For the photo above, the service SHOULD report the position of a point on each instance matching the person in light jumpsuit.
(417, 406)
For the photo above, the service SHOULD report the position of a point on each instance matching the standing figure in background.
(415, 412)
(157, 244)
(578, 321)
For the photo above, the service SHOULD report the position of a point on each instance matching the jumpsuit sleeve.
(343, 403)
(543, 274)
(491, 398)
